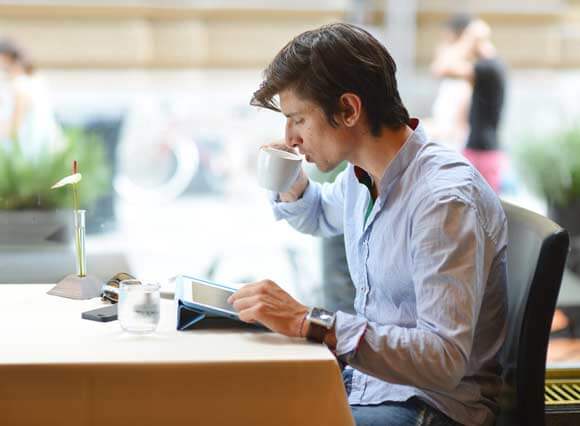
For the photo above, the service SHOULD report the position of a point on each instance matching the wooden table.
(58, 369)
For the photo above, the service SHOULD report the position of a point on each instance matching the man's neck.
(374, 154)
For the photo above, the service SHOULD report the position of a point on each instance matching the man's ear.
(350, 109)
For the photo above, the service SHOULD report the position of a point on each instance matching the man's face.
(308, 130)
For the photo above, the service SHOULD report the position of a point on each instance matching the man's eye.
(299, 121)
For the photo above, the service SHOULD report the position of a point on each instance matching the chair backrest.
(536, 252)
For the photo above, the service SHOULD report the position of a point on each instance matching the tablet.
(207, 296)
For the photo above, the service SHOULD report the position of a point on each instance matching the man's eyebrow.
(290, 114)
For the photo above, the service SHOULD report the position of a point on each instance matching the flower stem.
(79, 237)
(75, 197)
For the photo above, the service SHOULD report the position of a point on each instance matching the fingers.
(260, 287)
(246, 302)
(250, 315)
(255, 302)
(253, 313)
(245, 291)
(263, 310)
(279, 145)
(257, 308)
(265, 302)
(297, 189)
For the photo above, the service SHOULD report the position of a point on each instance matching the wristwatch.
(320, 321)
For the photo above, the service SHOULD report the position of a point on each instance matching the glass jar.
(139, 306)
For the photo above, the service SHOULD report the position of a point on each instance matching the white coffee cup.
(278, 169)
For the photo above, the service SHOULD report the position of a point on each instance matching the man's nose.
(292, 139)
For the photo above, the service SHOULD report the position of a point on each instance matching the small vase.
(79, 236)
(79, 286)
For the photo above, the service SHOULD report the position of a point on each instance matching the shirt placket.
(362, 380)
(358, 385)
(361, 293)
(365, 272)
(366, 235)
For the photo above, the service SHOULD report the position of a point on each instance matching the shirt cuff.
(349, 330)
(284, 210)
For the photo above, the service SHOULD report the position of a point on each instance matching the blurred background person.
(474, 58)
(27, 119)
(448, 123)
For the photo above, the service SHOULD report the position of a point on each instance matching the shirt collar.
(401, 161)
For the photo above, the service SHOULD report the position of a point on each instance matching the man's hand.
(265, 302)
(299, 186)
(296, 191)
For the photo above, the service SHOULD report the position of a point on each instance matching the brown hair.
(458, 23)
(323, 64)
(16, 55)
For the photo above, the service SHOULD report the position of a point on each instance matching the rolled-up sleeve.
(450, 257)
(318, 212)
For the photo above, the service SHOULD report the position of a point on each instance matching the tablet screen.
(212, 296)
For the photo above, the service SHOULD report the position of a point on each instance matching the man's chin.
(324, 168)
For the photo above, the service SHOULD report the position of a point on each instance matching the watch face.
(325, 316)
(322, 317)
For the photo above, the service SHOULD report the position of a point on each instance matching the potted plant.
(550, 164)
(30, 213)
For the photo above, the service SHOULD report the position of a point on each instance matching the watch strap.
(316, 332)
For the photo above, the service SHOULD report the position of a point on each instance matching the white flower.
(69, 180)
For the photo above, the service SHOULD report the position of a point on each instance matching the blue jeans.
(412, 412)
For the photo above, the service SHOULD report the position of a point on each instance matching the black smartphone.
(104, 314)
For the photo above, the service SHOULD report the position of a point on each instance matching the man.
(425, 238)
(448, 123)
(473, 58)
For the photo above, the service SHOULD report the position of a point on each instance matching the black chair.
(537, 251)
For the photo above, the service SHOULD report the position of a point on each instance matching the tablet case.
(191, 317)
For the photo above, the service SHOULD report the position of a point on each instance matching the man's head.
(456, 25)
(339, 73)
(478, 34)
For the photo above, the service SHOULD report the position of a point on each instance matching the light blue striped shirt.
(429, 267)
